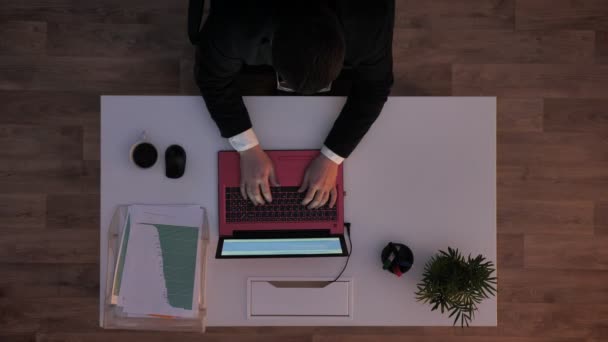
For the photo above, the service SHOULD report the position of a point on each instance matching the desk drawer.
(289, 297)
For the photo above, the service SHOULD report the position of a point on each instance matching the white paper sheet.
(161, 273)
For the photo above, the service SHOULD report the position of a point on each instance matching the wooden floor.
(546, 60)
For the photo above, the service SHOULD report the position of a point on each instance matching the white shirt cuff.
(244, 141)
(331, 155)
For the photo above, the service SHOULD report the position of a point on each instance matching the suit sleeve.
(372, 82)
(215, 74)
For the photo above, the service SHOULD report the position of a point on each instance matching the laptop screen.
(281, 247)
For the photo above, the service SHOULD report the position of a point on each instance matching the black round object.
(403, 257)
(145, 155)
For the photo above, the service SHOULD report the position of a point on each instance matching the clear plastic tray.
(115, 318)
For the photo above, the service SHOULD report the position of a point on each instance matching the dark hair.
(308, 48)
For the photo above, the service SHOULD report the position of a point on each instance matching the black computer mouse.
(175, 161)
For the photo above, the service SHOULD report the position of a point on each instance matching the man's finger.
(253, 190)
(325, 199)
(333, 197)
(309, 195)
(243, 191)
(258, 194)
(273, 178)
(266, 190)
(304, 183)
(317, 200)
(250, 195)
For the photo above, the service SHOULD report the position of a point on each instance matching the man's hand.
(256, 171)
(320, 180)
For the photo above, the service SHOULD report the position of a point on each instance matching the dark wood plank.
(49, 280)
(22, 211)
(598, 334)
(260, 330)
(553, 182)
(576, 115)
(78, 280)
(18, 337)
(49, 246)
(434, 338)
(419, 80)
(22, 37)
(49, 314)
(600, 217)
(601, 47)
(550, 217)
(107, 75)
(102, 11)
(555, 321)
(91, 141)
(380, 332)
(518, 148)
(540, 322)
(44, 176)
(464, 14)
(565, 251)
(130, 336)
(187, 84)
(28, 281)
(416, 46)
(76, 211)
(528, 80)
(561, 14)
(601, 252)
(49, 108)
(559, 252)
(52, 108)
(116, 40)
(519, 115)
(553, 286)
(27, 142)
(90, 177)
(510, 250)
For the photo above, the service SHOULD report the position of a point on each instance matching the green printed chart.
(178, 245)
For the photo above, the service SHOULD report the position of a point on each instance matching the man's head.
(308, 49)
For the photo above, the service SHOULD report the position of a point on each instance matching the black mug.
(144, 154)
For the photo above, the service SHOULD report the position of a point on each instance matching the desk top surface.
(425, 175)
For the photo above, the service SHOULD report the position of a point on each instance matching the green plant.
(455, 284)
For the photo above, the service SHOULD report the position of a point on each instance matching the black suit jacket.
(239, 32)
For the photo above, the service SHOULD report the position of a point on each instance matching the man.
(308, 44)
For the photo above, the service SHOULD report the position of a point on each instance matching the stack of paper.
(158, 266)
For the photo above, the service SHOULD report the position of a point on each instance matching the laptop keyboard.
(285, 207)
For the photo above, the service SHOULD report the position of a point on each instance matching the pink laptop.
(283, 228)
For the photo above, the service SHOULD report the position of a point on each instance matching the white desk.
(424, 175)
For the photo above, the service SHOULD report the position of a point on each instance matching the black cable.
(350, 251)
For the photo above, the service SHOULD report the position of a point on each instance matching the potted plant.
(456, 285)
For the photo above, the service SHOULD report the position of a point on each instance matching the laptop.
(283, 228)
